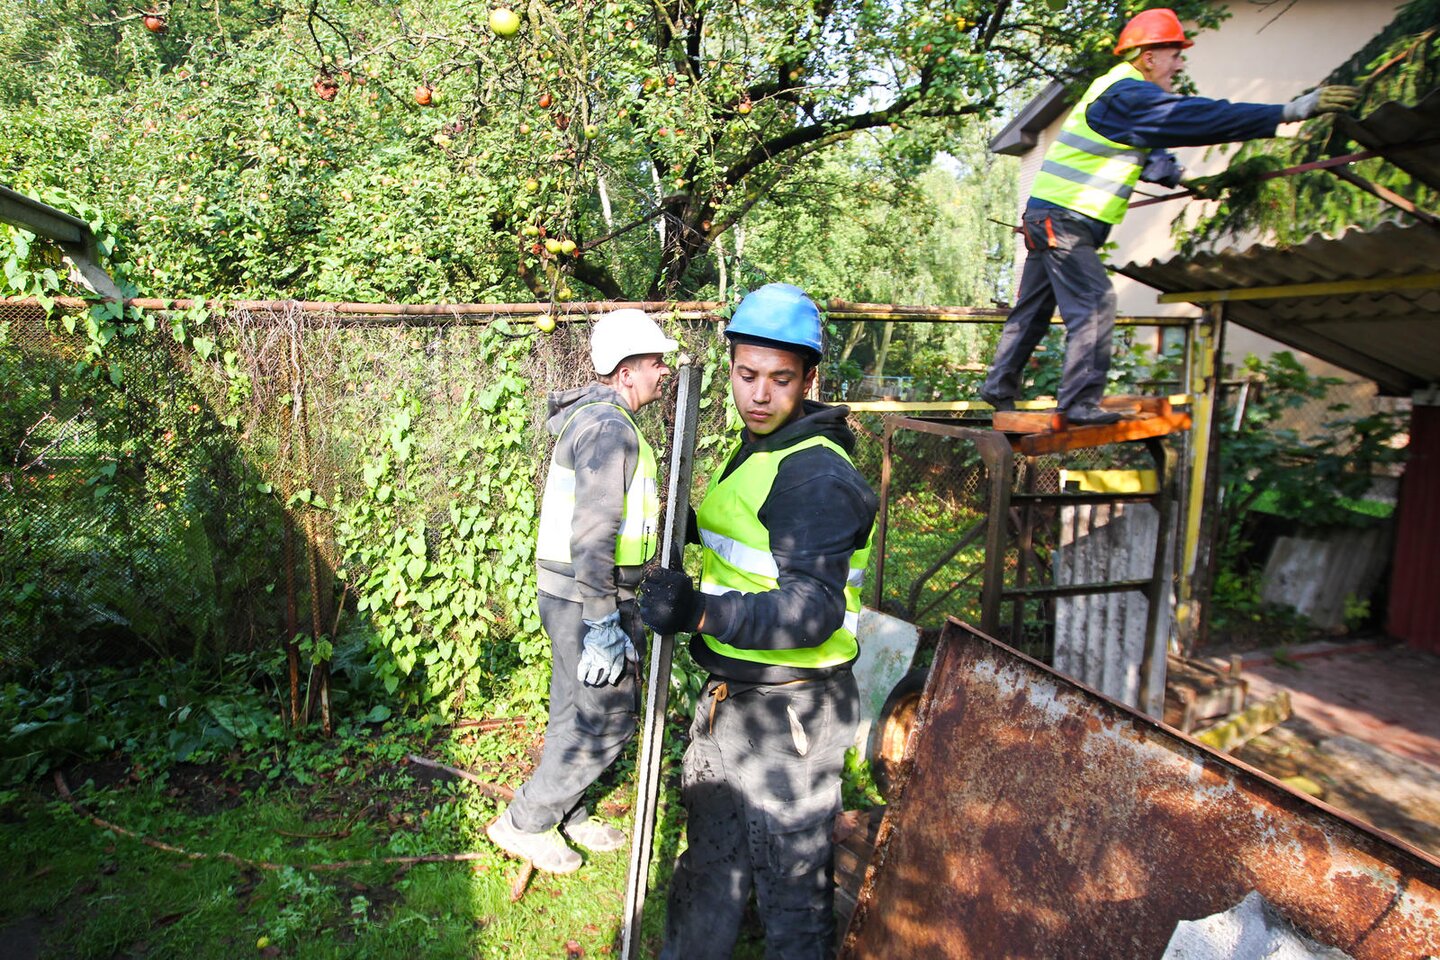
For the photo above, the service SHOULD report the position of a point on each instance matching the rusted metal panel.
(1041, 819)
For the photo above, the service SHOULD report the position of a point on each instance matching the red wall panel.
(1415, 576)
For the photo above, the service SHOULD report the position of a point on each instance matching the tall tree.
(419, 149)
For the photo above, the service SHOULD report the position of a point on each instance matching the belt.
(725, 690)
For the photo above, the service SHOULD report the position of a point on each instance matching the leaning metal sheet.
(1040, 819)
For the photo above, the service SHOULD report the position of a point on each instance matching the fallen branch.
(494, 723)
(521, 881)
(340, 834)
(527, 869)
(64, 790)
(495, 790)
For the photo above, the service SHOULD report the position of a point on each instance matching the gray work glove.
(1332, 99)
(1162, 167)
(607, 647)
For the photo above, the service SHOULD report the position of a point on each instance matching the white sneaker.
(547, 851)
(597, 836)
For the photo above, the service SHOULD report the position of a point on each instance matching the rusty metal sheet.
(1041, 819)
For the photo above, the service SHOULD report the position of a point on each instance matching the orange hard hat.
(1152, 27)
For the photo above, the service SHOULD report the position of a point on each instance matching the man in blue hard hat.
(785, 529)
(1113, 138)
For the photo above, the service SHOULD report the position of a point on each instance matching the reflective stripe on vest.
(639, 522)
(737, 557)
(1085, 171)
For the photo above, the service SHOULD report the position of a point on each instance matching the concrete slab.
(1366, 729)
(1389, 697)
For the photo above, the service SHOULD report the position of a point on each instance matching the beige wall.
(1252, 59)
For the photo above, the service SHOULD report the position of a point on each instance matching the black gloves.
(669, 602)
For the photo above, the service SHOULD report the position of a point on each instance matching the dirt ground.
(1365, 729)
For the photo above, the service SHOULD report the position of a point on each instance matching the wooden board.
(854, 835)
(1074, 438)
(1028, 421)
(1053, 421)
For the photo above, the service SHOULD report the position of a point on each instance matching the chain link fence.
(175, 505)
(196, 505)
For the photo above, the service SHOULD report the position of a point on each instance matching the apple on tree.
(504, 22)
(325, 87)
(155, 21)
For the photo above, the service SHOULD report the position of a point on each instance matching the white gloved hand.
(607, 647)
(1331, 99)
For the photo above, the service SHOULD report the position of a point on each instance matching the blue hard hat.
(780, 313)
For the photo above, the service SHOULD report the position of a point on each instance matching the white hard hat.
(625, 333)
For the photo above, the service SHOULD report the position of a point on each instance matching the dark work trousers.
(761, 788)
(1062, 267)
(588, 727)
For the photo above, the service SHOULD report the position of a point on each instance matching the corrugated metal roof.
(1391, 337)
(1409, 137)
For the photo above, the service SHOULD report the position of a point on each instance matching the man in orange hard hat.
(1113, 138)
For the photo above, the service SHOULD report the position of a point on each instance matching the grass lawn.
(71, 889)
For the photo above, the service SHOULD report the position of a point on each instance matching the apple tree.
(446, 150)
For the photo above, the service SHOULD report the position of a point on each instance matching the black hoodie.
(819, 512)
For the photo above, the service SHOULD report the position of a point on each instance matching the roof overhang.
(1367, 301)
(1022, 133)
(1407, 137)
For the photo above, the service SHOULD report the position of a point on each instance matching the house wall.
(1254, 56)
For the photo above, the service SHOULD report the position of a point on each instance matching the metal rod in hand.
(657, 683)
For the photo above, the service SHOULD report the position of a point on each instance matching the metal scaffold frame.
(1009, 486)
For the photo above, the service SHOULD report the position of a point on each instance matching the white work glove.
(1332, 99)
(607, 647)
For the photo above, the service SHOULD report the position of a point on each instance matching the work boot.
(547, 850)
(1001, 404)
(594, 835)
(1086, 415)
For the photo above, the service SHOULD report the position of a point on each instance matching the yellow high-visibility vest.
(1085, 171)
(737, 556)
(639, 523)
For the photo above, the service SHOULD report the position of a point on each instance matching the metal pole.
(1204, 434)
(884, 527)
(657, 684)
(1000, 467)
(1157, 612)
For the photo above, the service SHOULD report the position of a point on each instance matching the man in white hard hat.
(599, 522)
